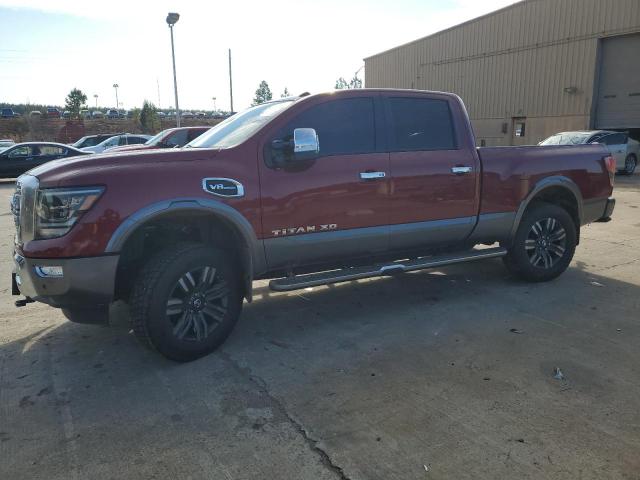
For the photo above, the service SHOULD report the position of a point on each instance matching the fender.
(548, 182)
(252, 255)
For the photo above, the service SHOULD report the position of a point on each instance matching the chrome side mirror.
(306, 144)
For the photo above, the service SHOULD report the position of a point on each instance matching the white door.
(617, 145)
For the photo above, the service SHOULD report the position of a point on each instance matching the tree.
(341, 84)
(74, 102)
(263, 93)
(355, 82)
(285, 93)
(149, 121)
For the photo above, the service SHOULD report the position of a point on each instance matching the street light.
(95, 95)
(115, 85)
(214, 104)
(172, 19)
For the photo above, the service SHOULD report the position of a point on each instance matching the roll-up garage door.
(619, 85)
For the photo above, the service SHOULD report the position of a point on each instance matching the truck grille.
(23, 203)
(15, 209)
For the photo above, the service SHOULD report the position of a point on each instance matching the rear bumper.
(608, 210)
(86, 283)
(597, 210)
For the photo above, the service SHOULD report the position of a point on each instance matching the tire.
(544, 243)
(186, 301)
(630, 164)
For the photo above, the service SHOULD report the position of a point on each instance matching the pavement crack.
(311, 442)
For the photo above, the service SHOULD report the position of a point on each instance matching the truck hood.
(88, 169)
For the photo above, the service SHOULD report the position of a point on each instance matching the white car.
(116, 141)
(625, 150)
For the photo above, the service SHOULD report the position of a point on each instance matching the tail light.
(610, 163)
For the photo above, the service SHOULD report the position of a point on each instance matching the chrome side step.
(357, 273)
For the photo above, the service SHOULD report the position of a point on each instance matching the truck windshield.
(236, 129)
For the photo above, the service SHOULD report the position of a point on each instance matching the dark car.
(8, 113)
(170, 138)
(93, 140)
(22, 157)
(53, 112)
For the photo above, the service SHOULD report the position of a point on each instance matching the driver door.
(335, 206)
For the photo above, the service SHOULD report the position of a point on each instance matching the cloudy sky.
(51, 46)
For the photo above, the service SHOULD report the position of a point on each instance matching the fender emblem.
(223, 187)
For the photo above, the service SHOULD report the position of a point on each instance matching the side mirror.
(306, 145)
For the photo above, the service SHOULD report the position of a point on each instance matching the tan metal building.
(531, 69)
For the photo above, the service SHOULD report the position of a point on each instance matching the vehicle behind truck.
(303, 191)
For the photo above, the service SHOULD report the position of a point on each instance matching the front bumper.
(86, 283)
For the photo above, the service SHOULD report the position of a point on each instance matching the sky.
(51, 46)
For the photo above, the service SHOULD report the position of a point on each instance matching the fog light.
(49, 271)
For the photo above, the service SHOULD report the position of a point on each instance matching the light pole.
(214, 104)
(172, 19)
(95, 95)
(115, 85)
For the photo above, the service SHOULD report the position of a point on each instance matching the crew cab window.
(178, 138)
(421, 124)
(345, 126)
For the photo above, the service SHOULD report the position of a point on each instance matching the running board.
(356, 273)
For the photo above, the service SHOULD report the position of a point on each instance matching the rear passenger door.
(434, 196)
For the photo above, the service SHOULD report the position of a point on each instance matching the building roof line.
(459, 25)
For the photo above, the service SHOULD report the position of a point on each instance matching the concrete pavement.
(430, 375)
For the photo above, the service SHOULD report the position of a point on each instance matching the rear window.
(421, 124)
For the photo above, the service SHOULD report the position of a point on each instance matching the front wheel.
(186, 301)
(544, 243)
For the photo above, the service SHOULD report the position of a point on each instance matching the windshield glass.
(156, 138)
(236, 129)
(567, 138)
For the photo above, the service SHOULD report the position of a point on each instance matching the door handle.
(372, 175)
(461, 170)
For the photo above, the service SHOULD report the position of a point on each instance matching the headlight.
(58, 209)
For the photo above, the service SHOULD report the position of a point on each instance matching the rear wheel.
(630, 164)
(186, 301)
(544, 243)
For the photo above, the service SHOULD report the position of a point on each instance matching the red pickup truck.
(304, 191)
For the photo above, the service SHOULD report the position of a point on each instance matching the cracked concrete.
(311, 442)
(365, 380)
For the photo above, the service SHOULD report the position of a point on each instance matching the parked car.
(186, 114)
(66, 114)
(97, 114)
(6, 143)
(8, 113)
(200, 115)
(117, 140)
(170, 138)
(22, 157)
(35, 114)
(112, 113)
(306, 191)
(162, 114)
(85, 113)
(625, 150)
(92, 140)
(53, 112)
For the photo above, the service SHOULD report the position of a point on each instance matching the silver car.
(625, 150)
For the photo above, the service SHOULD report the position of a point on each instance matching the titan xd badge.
(223, 187)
